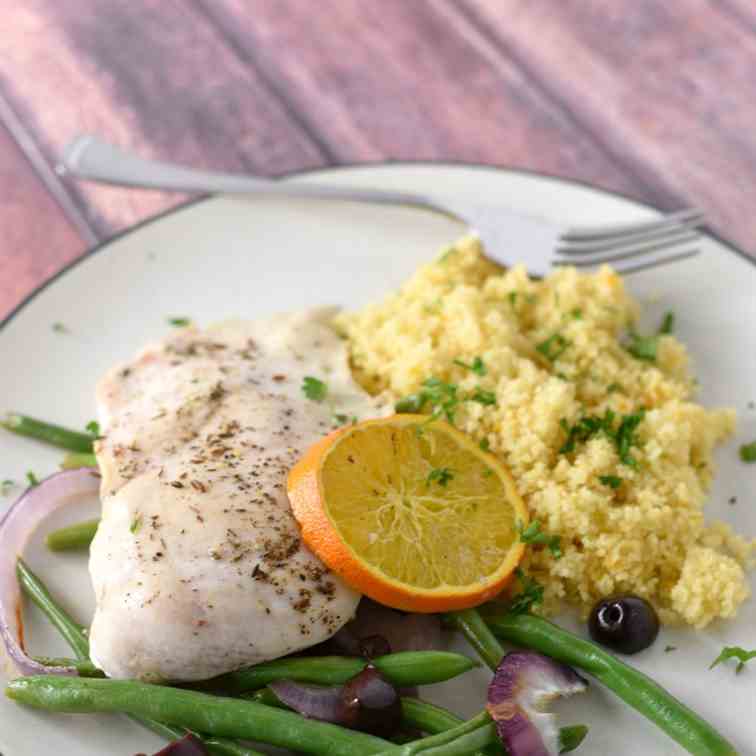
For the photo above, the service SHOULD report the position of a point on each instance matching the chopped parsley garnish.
(612, 387)
(577, 313)
(612, 481)
(59, 327)
(441, 475)
(645, 347)
(342, 419)
(6, 486)
(669, 649)
(586, 428)
(734, 652)
(32, 478)
(136, 523)
(411, 404)
(512, 297)
(553, 347)
(667, 324)
(440, 395)
(530, 595)
(485, 445)
(748, 452)
(482, 396)
(179, 322)
(534, 535)
(476, 366)
(623, 438)
(642, 347)
(314, 388)
(442, 398)
(93, 428)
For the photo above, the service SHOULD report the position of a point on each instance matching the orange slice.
(409, 512)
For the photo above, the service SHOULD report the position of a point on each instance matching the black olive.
(627, 624)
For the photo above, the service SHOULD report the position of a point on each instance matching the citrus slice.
(409, 512)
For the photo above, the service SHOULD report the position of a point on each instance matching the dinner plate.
(223, 257)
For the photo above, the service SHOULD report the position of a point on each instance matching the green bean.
(200, 712)
(76, 638)
(416, 714)
(72, 631)
(464, 739)
(426, 717)
(431, 719)
(478, 635)
(683, 725)
(216, 746)
(571, 737)
(402, 669)
(84, 668)
(23, 425)
(265, 696)
(77, 536)
(75, 460)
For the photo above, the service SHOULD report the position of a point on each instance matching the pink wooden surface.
(651, 99)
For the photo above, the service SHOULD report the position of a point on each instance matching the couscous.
(602, 435)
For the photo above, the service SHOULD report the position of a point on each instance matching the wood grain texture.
(410, 80)
(742, 11)
(651, 99)
(152, 76)
(664, 86)
(36, 238)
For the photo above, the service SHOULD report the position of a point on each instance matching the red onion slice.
(323, 702)
(366, 702)
(16, 527)
(523, 684)
(404, 632)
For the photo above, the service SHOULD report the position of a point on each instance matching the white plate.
(223, 257)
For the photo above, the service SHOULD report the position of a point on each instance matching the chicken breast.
(197, 566)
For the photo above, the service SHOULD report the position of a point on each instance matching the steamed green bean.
(195, 711)
(72, 537)
(75, 460)
(56, 435)
(402, 669)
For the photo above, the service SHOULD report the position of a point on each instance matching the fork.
(506, 236)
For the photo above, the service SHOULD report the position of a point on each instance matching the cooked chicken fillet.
(197, 566)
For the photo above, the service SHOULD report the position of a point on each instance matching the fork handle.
(89, 157)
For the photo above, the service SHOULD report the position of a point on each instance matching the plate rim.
(474, 172)
(583, 183)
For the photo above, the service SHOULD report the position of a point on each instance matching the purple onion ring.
(16, 526)
(523, 684)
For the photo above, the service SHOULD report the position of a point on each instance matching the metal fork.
(507, 236)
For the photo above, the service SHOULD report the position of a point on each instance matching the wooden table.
(651, 98)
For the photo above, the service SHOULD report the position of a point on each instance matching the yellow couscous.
(624, 490)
